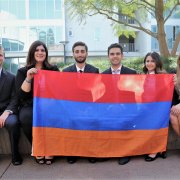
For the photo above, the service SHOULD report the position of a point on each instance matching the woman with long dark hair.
(37, 59)
(153, 65)
(175, 110)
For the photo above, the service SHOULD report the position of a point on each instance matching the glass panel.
(154, 42)
(33, 9)
(176, 13)
(14, 8)
(58, 5)
(4, 6)
(49, 9)
(51, 35)
(41, 6)
(58, 9)
(58, 34)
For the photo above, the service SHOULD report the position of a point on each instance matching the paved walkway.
(137, 168)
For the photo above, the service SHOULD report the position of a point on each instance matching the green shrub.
(169, 64)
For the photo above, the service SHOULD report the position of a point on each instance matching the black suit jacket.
(8, 98)
(124, 70)
(88, 69)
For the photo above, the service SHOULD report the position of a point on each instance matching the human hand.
(3, 118)
(175, 110)
(175, 79)
(30, 73)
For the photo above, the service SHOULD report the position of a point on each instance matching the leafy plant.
(169, 64)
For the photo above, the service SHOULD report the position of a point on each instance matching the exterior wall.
(96, 32)
(142, 43)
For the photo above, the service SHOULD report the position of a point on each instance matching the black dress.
(26, 100)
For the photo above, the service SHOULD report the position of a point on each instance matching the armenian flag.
(100, 115)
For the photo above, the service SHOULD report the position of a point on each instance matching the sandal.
(49, 160)
(40, 159)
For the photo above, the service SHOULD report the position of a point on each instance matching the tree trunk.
(161, 35)
(175, 46)
(164, 51)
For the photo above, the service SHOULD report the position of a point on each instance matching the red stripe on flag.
(86, 87)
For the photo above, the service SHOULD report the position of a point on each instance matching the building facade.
(28, 20)
(24, 21)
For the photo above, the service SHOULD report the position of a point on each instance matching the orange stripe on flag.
(55, 141)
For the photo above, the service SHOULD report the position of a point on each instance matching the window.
(15, 8)
(45, 9)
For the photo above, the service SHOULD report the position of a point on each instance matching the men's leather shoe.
(163, 154)
(71, 160)
(17, 160)
(123, 160)
(92, 160)
(103, 159)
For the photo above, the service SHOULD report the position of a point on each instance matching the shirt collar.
(78, 69)
(117, 71)
(0, 71)
(152, 72)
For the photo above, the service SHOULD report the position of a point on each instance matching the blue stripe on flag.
(100, 116)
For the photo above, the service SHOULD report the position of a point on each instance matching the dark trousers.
(25, 118)
(12, 125)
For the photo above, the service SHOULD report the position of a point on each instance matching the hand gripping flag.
(100, 115)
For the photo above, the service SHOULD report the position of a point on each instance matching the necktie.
(80, 71)
(116, 71)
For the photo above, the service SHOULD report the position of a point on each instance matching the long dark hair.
(157, 59)
(178, 70)
(30, 61)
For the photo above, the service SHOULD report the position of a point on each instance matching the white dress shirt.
(117, 71)
(79, 70)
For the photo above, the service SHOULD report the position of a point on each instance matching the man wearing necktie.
(115, 55)
(8, 109)
(80, 53)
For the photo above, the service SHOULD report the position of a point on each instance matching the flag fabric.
(100, 115)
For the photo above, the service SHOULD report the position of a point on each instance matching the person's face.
(40, 54)
(1, 58)
(115, 56)
(150, 64)
(80, 54)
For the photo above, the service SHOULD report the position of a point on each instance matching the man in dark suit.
(80, 53)
(8, 109)
(115, 54)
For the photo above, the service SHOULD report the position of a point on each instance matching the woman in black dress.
(37, 59)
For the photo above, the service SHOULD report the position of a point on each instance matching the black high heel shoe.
(160, 154)
(148, 158)
(49, 161)
(163, 155)
(40, 159)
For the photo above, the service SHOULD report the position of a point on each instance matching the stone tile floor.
(136, 169)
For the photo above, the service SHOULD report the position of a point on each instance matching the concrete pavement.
(137, 168)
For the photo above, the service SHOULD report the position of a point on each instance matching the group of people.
(16, 92)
